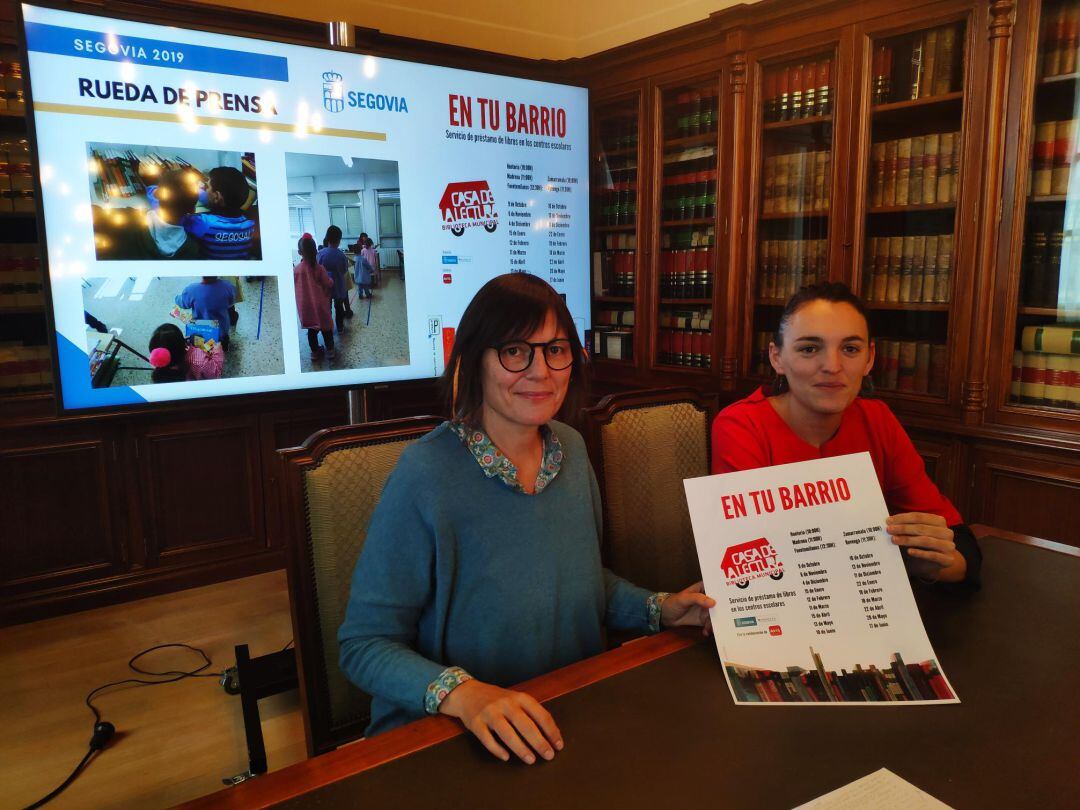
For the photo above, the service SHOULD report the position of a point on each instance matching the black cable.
(68, 781)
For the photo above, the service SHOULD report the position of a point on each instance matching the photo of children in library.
(151, 202)
(146, 330)
(349, 261)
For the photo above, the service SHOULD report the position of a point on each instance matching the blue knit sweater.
(459, 570)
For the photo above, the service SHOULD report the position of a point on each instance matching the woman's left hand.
(688, 608)
(929, 543)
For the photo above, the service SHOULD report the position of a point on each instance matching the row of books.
(798, 91)
(910, 269)
(685, 238)
(691, 348)
(613, 343)
(759, 358)
(693, 112)
(614, 272)
(1058, 338)
(16, 177)
(1052, 157)
(915, 171)
(897, 682)
(788, 264)
(686, 273)
(911, 366)
(1042, 267)
(796, 182)
(1060, 40)
(613, 316)
(1050, 380)
(24, 369)
(20, 277)
(619, 240)
(12, 95)
(930, 72)
(121, 174)
(619, 131)
(616, 204)
(689, 196)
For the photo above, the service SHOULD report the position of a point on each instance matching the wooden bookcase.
(972, 73)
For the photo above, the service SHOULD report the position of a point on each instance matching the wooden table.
(652, 724)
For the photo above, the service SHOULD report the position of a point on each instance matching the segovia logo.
(333, 92)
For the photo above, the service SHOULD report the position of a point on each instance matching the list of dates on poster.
(539, 220)
(814, 576)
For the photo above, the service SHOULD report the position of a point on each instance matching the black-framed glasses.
(517, 355)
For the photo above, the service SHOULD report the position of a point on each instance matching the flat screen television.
(178, 170)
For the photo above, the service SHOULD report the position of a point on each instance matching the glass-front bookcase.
(686, 224)
(1046, 333)
(911, 192)
(794, 197)
(615, 229)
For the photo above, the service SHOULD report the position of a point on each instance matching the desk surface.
(1011, 651)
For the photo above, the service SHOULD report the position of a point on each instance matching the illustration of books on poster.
(813, 603)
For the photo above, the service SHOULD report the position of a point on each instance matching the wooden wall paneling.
(1029, 492)
(201, 489)
(734, 170)
(61, 510)
(943, 456)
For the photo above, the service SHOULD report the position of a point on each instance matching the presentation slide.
(180, 169)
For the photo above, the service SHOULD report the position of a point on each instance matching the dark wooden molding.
(310, 774)
(983, 532)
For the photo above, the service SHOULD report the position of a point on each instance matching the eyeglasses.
(517, 355)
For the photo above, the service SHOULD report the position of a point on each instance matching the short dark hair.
(835, 291)
(509, 307)
(168, 336)
(333, 235)
(231, 185)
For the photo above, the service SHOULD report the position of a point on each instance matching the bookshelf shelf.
(910, 209)
(691, 140)
(607, 361)
(1064, 80)
(611, 153)
(35, 310)
(682, 223)
(1050, 199)
(613, 228)
(613, 299)
(687, 369)
(797, 215)
(678, 302)
(770, 302)
(798, 122)
(1051, 312)
(917, 103)
(906, 306)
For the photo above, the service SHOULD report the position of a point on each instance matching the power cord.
(104, 730)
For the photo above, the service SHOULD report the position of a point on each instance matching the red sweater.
(750, 433)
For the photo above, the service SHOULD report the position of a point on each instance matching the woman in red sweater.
(818, 407)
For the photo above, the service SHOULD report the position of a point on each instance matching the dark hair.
(168, 336)
(838, 293)
(333, 235)
(231, 185)
(509, 307)
(177, 194)
(306, 249)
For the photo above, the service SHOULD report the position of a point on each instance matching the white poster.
(813, 604)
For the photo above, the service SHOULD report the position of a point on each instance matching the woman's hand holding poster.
(813, 604)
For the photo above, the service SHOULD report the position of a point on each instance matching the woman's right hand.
(497, 715)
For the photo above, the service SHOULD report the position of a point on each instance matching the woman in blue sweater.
(481, 567)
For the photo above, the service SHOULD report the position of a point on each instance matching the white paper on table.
(881, 790)
(810, 589)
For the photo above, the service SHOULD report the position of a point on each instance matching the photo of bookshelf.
(913, 178)
(686, 235)
(1046, 352)
(794, 188)
(615, 218)
(894, 682)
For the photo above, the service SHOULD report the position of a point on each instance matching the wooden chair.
(643, 444)
(331, 485)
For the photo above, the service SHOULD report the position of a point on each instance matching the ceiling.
(555, 29)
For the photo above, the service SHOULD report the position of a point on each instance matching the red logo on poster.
(467, 205)
(447, 278)
(751, 560)
(774, 630)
